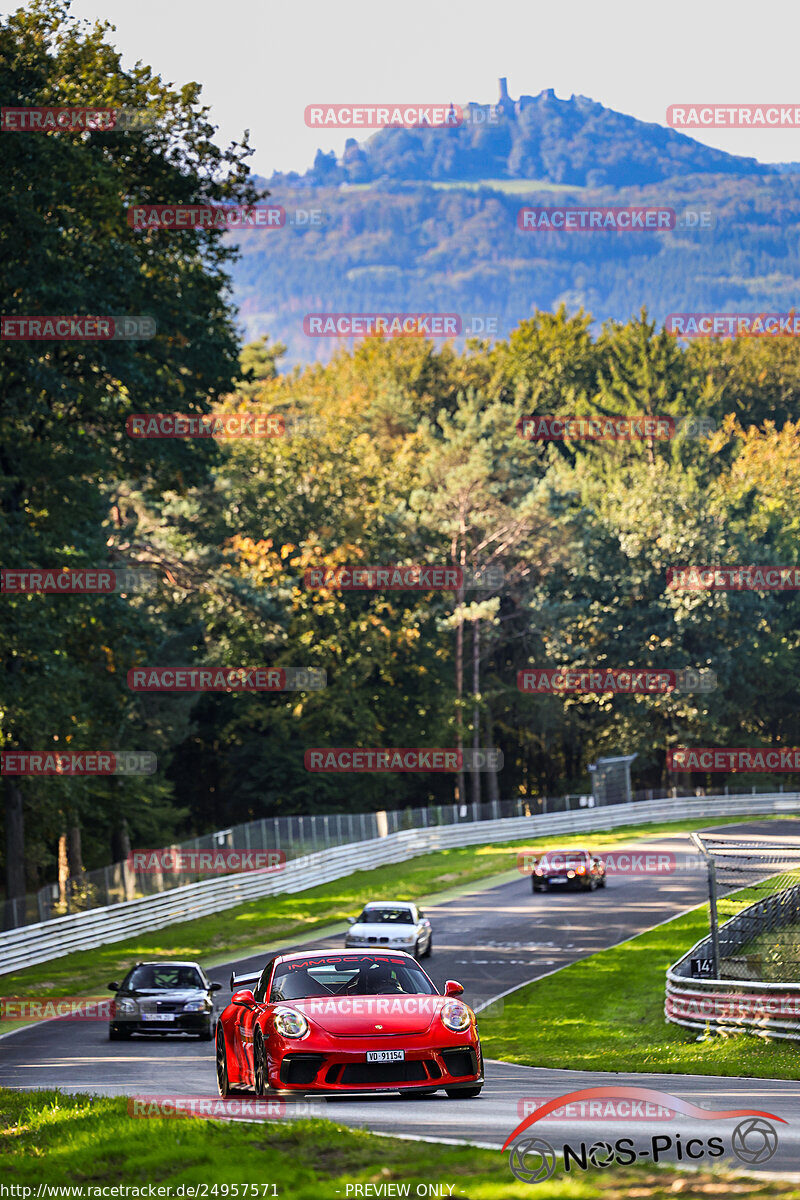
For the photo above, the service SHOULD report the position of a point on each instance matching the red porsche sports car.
(347, 1021)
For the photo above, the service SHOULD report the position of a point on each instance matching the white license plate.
(382, 1056)
(158, 1016)
(558, 879)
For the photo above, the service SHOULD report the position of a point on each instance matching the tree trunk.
(120, 842)
(15, 840)
(74, 852)
(491, 781)
(462, 792)
(63, 872)
(476, 716)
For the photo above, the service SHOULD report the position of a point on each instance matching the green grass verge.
(85, 1142)
(254, 927)
(606, 1013)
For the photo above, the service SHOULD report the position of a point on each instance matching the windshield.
(385, 916)
(154, 977)
(376, 975)
(562, 860)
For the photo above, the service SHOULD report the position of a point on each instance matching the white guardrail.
(731, 1005)
(33, 944)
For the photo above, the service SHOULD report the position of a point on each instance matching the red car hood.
(362, 1016)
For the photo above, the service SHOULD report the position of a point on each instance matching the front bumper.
(381, 944)
(341, 1070)
(579, 881)
(191, 1022)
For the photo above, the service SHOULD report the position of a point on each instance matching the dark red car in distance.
(568, 869)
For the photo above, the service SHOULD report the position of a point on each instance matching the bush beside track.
(49, 1138)
(255, 927)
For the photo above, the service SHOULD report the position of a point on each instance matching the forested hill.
(575, 141)
(425, 220)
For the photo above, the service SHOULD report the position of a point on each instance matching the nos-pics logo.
(533, 1159)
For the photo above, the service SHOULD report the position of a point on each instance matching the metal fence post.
(712, 914)
(713, 920)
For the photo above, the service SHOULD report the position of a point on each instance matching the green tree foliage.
(66, 248)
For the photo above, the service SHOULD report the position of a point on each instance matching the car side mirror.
(351, 920)
(215, 987)
(453, 988)
(244, 999)
(113, 987)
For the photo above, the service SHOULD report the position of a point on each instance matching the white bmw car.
(396, 926)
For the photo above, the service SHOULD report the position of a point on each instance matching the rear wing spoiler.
(238, 980)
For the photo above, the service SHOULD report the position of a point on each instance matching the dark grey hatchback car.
(163, 997)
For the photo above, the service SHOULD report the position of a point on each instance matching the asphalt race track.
(491, 941)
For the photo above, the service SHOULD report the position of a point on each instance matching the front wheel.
(602, 882)
(207, 1032)
(429, 951)
(260, 1081)
(468, 1093)
(223, 1083)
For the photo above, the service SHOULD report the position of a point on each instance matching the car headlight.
(538, 871)
(194, 1006)
(291, 1024)
(355, 937)
(455, 1016)
(125, 1006)
(410, 939)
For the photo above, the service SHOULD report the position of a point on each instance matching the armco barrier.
(742, 1005)
(33, 944)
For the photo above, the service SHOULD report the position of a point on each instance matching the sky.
(261, 62)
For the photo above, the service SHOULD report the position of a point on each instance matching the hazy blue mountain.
(425, 220)
(575, 141)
